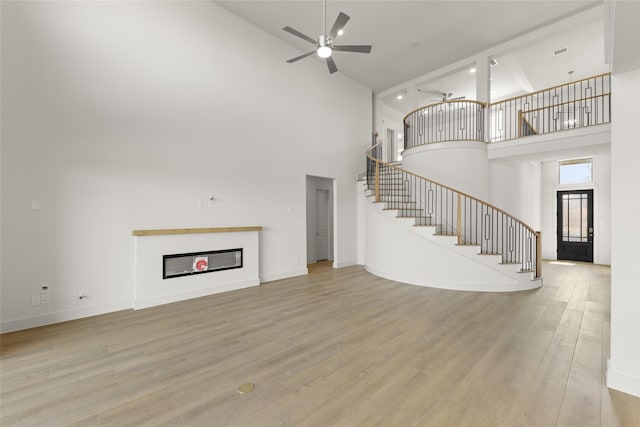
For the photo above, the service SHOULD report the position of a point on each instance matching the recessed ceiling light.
(341, 32)
(473, 70)
(559, 51)
(399, 97)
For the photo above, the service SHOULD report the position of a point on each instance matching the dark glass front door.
(575, 225)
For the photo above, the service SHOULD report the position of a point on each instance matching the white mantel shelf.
(169, 231)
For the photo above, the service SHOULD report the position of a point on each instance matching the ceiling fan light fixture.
(324, 44)
(324, 51)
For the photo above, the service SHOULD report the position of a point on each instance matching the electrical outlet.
(44, 299)
(35, 300)
(81, 294)
(73, 295)
(118, 288)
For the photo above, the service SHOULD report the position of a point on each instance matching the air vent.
(559, 51)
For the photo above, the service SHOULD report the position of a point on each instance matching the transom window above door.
(576, 171)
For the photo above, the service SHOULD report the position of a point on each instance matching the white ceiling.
(413, 38)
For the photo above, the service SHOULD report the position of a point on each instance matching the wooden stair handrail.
(462, 193)
(538, 234)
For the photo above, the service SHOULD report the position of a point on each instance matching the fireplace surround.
(169, 264)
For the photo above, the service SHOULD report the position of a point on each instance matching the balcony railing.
(574, 105)
(582, 103)
(445, 121)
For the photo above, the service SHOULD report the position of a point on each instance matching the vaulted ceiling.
(412, 38)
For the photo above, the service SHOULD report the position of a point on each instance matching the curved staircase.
(421, 232)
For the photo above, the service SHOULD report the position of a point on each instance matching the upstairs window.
(576, 171)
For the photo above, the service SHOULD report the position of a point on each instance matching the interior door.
(575, 225)
(391, 145)
(322, 224)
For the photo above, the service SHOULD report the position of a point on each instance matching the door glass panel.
(575, 219)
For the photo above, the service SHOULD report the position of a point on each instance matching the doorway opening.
(575, 225)
(320, 220)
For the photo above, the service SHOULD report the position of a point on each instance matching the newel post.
(520, 131)
(377, 182)
(459, 219)
(538, 254)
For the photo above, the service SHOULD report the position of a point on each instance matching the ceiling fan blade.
(332, 65)
(456, 99)
(297, 58)
(341, 20)
(353, 48)
(299, 34)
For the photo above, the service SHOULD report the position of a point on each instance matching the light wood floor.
(335, 348)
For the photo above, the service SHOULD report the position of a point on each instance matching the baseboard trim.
(344, 264)
(197, 293)
(62, 316)
(621, 382)
(284, 275)
(511, 286)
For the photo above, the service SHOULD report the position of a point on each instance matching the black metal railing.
(574, 105)
(454, 213)
(445, 121)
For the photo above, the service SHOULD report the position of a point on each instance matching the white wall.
(601, 209)
(388, 118)
(461, 165)
(515, 188)
(624, 366)
(127, 115)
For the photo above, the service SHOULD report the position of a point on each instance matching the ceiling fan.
(324, 44)
(443, 96)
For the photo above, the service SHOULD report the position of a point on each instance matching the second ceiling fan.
(324, 43)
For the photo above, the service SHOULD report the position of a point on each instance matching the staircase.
(425, 233)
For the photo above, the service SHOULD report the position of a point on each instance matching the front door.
(575, 225)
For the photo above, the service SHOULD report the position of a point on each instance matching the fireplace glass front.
(187, 264)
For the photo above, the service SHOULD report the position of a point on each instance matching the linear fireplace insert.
(187, 264)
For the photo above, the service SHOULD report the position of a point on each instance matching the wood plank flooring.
(334, 348)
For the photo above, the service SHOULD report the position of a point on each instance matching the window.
(577, 171)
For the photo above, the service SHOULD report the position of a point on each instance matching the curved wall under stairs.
(397, 250)
(462, 165)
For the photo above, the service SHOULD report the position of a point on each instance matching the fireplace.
(170, 264)
(187, 264)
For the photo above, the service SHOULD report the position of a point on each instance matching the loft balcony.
(567, 107)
